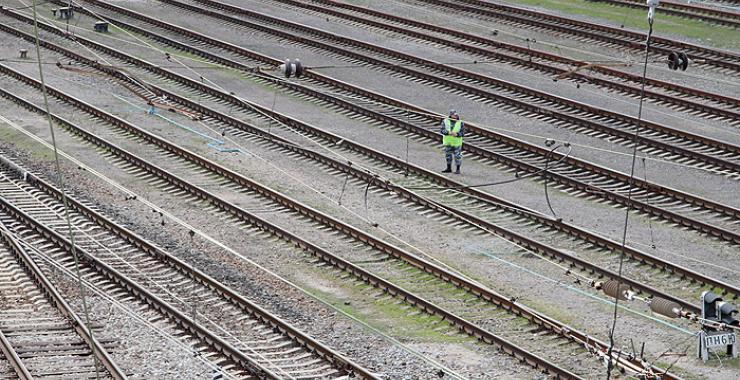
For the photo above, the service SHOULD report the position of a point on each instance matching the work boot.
(448, 170)
(458, 170)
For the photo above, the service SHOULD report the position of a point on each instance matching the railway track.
(40, 335)
(478, 200)
(697, 101)
(719, 60)
(486, 304)
(583, 178)
(655, 138)
(388, 163)
(260, 345)
(685, 10)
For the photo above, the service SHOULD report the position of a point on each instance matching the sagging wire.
(71, 37)
(651, 13)
(555, 45)
(702, 262)
(409, 111)
(65, 201)
(647, 200)
(366, 200)
(547, 177)
(344, 186)
(550, 206)
(367, 189)
(255, 108)
(233, 252)
(570, 287)
(701, 168)
(63, 270)
(161, 286)
(517, 178)
(647, 366)
(685, 350)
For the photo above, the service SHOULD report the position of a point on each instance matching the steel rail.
(548, 110)
(15, 361)
(722, 59)
(376, 181)
(426, 306)
(445, 277)
(57, 300)
(462, 324)
(608, 195)
(250, 308)
(142, 294)
(527, 61)
(695, 12)
(532, 244)
(373, 179)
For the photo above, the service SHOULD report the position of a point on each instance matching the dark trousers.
(451, 151)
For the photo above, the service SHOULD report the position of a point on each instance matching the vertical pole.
(407, 158)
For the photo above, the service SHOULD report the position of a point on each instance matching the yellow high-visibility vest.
(454, 141)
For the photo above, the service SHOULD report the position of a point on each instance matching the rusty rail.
(472, 148)
(527, 61)
(474, 288)
(55, 298)
(249, 307)
(547, 111)
(642, 206)
(690, 11)
(719, 59)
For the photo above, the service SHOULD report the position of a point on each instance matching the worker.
(453, 130)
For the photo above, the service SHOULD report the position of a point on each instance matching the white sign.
(719, 340)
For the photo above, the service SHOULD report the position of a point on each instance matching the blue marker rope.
(213, 143)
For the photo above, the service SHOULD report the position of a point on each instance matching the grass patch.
(552, 311)
(22, 143)
(383, 313)
(709, 34)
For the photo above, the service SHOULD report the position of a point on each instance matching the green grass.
(709, 34)
(23, 143)
(385, 314)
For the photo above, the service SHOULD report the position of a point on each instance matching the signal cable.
(546, 169)
(124, 309)
(65, 201)
(610, 365)
(643, 87)
(141, 199)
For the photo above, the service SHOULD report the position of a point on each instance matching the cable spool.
(292, 68)
(614, 289)
(665, 307)
(678, 60)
